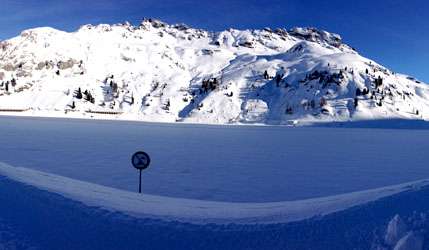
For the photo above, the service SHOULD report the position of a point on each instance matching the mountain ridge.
(169, 73)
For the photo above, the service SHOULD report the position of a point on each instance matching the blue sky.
(392, 32)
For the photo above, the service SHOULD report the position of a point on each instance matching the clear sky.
(394, 33)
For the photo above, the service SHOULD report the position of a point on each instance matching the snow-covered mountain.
(168, 73)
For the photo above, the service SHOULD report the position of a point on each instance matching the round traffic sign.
(140, 160)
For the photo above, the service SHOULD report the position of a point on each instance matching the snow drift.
(197, 211)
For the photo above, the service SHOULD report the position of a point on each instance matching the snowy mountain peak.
(161, 72)
(315, 35)
(155, 23)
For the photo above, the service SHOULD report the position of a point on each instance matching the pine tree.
(365, 91)
(378, 82)
(214, 84)
(266, 76)
(78, 94)
(278, 79)
(323, 102)
(358, 92)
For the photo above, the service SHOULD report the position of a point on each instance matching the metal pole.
(140, 182)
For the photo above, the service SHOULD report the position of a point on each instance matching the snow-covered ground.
(220, 163)
(45, 211)
(212, 187)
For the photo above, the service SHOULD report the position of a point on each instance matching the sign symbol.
(140, 161)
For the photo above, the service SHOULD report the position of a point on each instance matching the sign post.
(140, 161)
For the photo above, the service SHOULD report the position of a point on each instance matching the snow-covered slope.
(168, 73)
